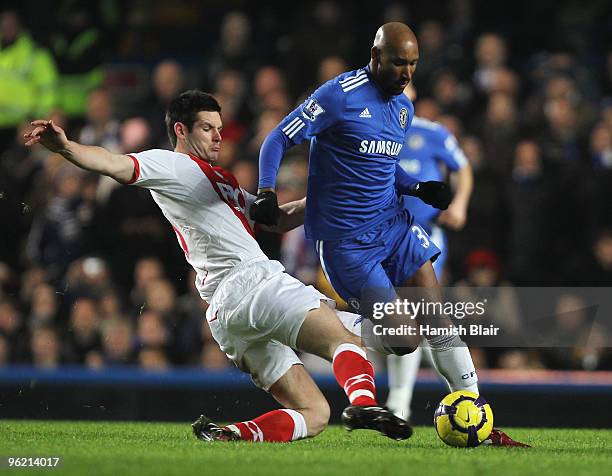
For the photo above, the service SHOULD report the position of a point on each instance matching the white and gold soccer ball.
(463, 419)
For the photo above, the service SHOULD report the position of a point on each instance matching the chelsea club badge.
(403, 117)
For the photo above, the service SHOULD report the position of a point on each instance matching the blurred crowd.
(90, 272)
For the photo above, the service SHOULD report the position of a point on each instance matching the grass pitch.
(168, 448)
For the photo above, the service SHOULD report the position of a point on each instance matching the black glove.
(265, 209)
(436, 194)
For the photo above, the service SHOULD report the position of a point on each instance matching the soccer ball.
(463, 419)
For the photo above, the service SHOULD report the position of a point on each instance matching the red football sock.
(278, 425)
(355, 374)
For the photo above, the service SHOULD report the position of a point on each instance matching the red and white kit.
(255, 309)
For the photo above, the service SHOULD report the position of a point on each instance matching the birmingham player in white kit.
(257, 313)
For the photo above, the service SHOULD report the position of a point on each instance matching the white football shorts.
(255, 316)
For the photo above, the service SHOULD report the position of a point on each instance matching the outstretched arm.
(272, 151)
(95, 159)
(455, 216)
(291, 216)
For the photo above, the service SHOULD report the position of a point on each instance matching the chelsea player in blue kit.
(429, 152)
(366, 241)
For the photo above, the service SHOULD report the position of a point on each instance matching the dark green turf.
(160, 448)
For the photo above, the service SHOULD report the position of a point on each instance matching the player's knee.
(317, 417)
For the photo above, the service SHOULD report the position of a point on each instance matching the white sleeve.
(155, 169)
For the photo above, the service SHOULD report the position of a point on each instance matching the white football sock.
(402, 372)
(453, 361)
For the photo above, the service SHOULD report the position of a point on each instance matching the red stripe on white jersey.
(216, 176)
(182, 241)
(136, 173)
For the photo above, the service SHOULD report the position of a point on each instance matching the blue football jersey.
(429, 150)
(356, 136)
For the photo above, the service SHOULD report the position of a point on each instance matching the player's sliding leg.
(402, 371)
(324, 335)
(306, 414)
(450, 356)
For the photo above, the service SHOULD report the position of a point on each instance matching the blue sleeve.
(404, 183)
(448, 150)
(272, 151)
(319, 112)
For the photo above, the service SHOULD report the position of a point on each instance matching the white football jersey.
(207, 210)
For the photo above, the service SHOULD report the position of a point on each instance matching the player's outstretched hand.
(265, 209)
(47, 134)
(436, 194)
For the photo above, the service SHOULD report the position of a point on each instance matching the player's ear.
(180, 130)
(375, 55)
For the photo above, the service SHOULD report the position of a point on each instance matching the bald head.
(394, 57)
(394, 35)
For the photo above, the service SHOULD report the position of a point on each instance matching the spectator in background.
(230, 91)
(147, 270)
(594, 269)
(110, 304)
(84, 331)
(168, 79)
(160, 297)
(560, 139)
(601, 146)
(152, 331)
(531, 200)
(117, 343)
(101, 127)
(13, 329)
(77, 44)
(450, 95)
(433, 55)
(427, 108)
(235, 48)
(56, 236)
(28, 78)
(44, 308)
(153, 341)
(29, 279)
(266, 122)
(505, 81)
(491, 55)
(45, 348)
(269, 82)
(499, 130)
